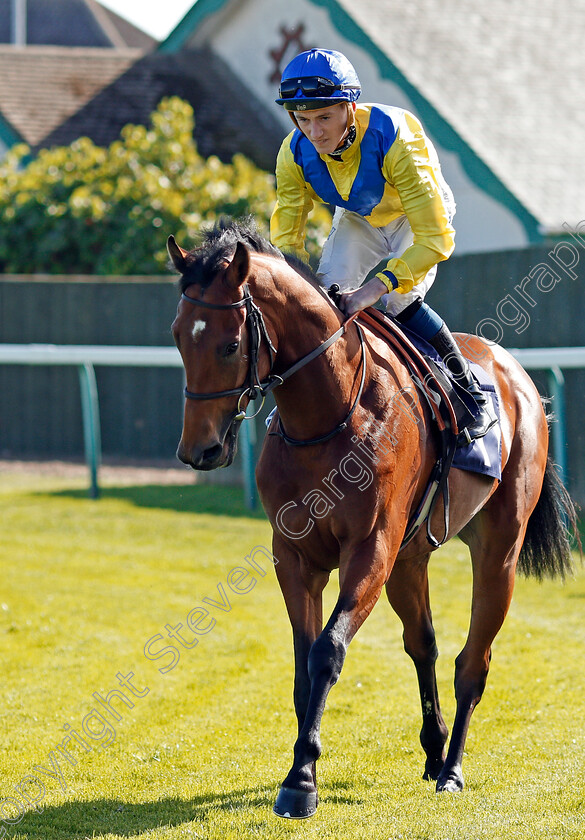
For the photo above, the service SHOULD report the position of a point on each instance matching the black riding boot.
(449, 351)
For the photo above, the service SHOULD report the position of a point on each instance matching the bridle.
(253, 387)
(256, 332)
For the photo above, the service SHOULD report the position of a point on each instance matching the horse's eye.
(231, 348)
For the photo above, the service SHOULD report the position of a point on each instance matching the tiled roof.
(73, 23)
(508, 77)
(199, 77)
(40, 87)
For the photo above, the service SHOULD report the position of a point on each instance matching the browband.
(208, 305)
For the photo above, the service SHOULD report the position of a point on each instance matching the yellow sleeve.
(294, 202)
(412, 166)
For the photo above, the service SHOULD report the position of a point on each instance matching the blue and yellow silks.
(390, 170)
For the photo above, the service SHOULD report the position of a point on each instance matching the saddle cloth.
(482, 455)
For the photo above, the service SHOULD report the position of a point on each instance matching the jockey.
(393, 208)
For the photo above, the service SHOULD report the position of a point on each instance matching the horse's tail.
(552, 531)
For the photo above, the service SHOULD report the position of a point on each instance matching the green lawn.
(199, 749)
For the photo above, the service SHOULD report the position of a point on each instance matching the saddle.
(451, 407)
(449, 401)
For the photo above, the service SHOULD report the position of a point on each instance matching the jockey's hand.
(367, 295)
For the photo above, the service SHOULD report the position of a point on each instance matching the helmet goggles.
(312, 87)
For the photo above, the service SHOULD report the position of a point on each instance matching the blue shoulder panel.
(368, 186)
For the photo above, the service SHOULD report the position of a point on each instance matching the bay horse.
(343, 467)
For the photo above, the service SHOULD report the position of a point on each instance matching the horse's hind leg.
(494, 537)
(408, 593)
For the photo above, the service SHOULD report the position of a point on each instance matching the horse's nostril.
(210, 455)
(206, 459)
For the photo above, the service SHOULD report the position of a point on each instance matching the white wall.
(244, 34)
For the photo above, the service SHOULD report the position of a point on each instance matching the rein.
(253, 387)
(344, 423)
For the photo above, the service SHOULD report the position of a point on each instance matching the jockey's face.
(325, 128)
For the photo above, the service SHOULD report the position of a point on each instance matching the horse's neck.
(317, 395)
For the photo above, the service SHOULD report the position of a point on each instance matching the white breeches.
(354, 247)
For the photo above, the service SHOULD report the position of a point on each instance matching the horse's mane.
(219, 243)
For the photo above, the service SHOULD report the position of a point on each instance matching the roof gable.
(507, 78)
(130, 35)
(350, 24)
(42, 86)
(199, 11)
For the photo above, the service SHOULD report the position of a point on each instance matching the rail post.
(248, 432)
(91, 424)
(556, 384)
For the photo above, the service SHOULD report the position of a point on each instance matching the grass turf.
(200, 752)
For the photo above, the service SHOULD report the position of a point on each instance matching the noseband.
(253, 387)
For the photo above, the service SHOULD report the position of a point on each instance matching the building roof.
(73, 23)
(498, 83)
(507, 77)
(130, 35)
(225, 121)
(40, 87)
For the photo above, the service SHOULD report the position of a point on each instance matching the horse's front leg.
(302, 589)
(361, 582)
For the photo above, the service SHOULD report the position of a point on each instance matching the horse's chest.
(317, 508)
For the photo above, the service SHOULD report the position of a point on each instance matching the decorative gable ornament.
(292, 43)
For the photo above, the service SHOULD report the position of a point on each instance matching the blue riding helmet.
(318, 78)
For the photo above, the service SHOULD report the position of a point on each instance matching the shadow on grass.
(76, 820)
(84, 819)
(216, 499)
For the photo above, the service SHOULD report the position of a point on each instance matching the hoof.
(451, 782)
(433, 769)
(295, 804)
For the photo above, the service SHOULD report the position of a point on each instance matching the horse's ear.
(176, 253)
(238, 269)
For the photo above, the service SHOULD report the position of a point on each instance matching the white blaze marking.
(198, 328)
